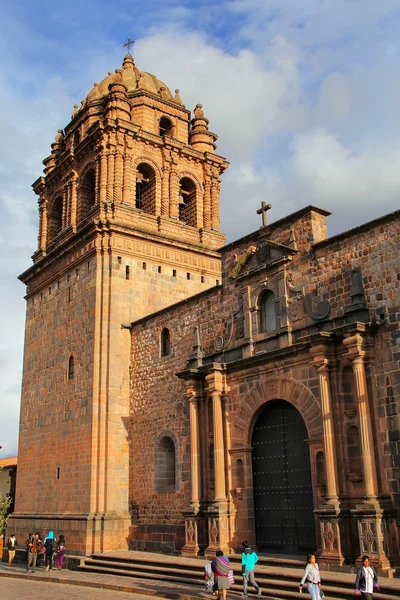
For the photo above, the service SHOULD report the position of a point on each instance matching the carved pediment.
(264, 255)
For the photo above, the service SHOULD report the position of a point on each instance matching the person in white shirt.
(311, 578)
(366, 580)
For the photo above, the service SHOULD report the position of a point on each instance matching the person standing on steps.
(220, 566)
(312, 578)
(249, 560)
(366, 580)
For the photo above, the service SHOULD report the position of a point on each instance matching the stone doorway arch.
(282, 487)
(258, 395)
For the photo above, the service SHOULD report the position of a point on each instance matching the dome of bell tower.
(135, 81)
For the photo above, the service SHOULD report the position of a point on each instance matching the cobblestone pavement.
(29, 588)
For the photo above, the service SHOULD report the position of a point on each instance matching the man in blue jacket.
(249, 559)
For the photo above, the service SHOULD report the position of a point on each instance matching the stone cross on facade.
(263, 211)
(128, 44)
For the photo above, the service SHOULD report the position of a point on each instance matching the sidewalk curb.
(106, 586)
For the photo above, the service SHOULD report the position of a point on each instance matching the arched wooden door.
(283, 497)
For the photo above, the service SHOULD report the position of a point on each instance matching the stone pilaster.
(215, 188)
(207, 204)
(127, 180)
(110, 179)
(74, 199)
(64, 218)
(217, 513)
(42, 236)
(165, 191)
(370, 516)
(193, 520)
(329, 512)
(173, 193)
(118, 177)
(103, 176)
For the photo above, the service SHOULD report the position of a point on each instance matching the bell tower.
(128, 224)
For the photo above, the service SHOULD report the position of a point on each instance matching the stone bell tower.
(129, 224)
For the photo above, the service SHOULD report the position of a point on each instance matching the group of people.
(366, 580)
(219, 576)
(52, 549)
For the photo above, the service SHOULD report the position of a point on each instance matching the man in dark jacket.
(366, 580)
(34, 544)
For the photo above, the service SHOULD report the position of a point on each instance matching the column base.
(372, 534)
(217, 523)
(194, 532)
(330, 531)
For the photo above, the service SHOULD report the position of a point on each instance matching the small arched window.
(165, 467)
(71, 368)
(187, 201)
(267, 312)
(146, 188)
(55, 219)
(77, 138)
(166, 127)
(87, 192)
(165, 342)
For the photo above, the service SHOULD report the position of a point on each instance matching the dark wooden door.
(282, 481)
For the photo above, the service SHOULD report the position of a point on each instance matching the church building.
(182, 395)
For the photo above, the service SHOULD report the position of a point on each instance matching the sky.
(303, 95)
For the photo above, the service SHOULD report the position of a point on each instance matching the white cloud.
(303, 95)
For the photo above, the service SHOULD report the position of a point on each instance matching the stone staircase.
(278, 577)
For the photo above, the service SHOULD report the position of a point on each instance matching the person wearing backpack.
(60, 552)
(50, 546)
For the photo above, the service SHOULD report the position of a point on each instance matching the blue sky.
(303, 94)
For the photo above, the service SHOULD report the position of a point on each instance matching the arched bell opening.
(146, 188)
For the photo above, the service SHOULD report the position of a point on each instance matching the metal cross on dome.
(129, 42)
(263, 212)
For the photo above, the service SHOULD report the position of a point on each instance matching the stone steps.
(278, 578)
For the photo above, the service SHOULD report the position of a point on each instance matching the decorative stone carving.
(329, 535)
(213, 531)
(241, 261)
(316, 308)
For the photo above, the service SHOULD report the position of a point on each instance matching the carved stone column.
(217, 512)
(110, 178)
(103, 176)
(193, 520)
(64, 216)
(173, 194)
(74, 199)
(165, 191)
(42, 237)
(370, 516)
(207, 204)
(97, 180)
(215, 188)
(328, 513)
(127, 180)
(118, 177)
(320, 363)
